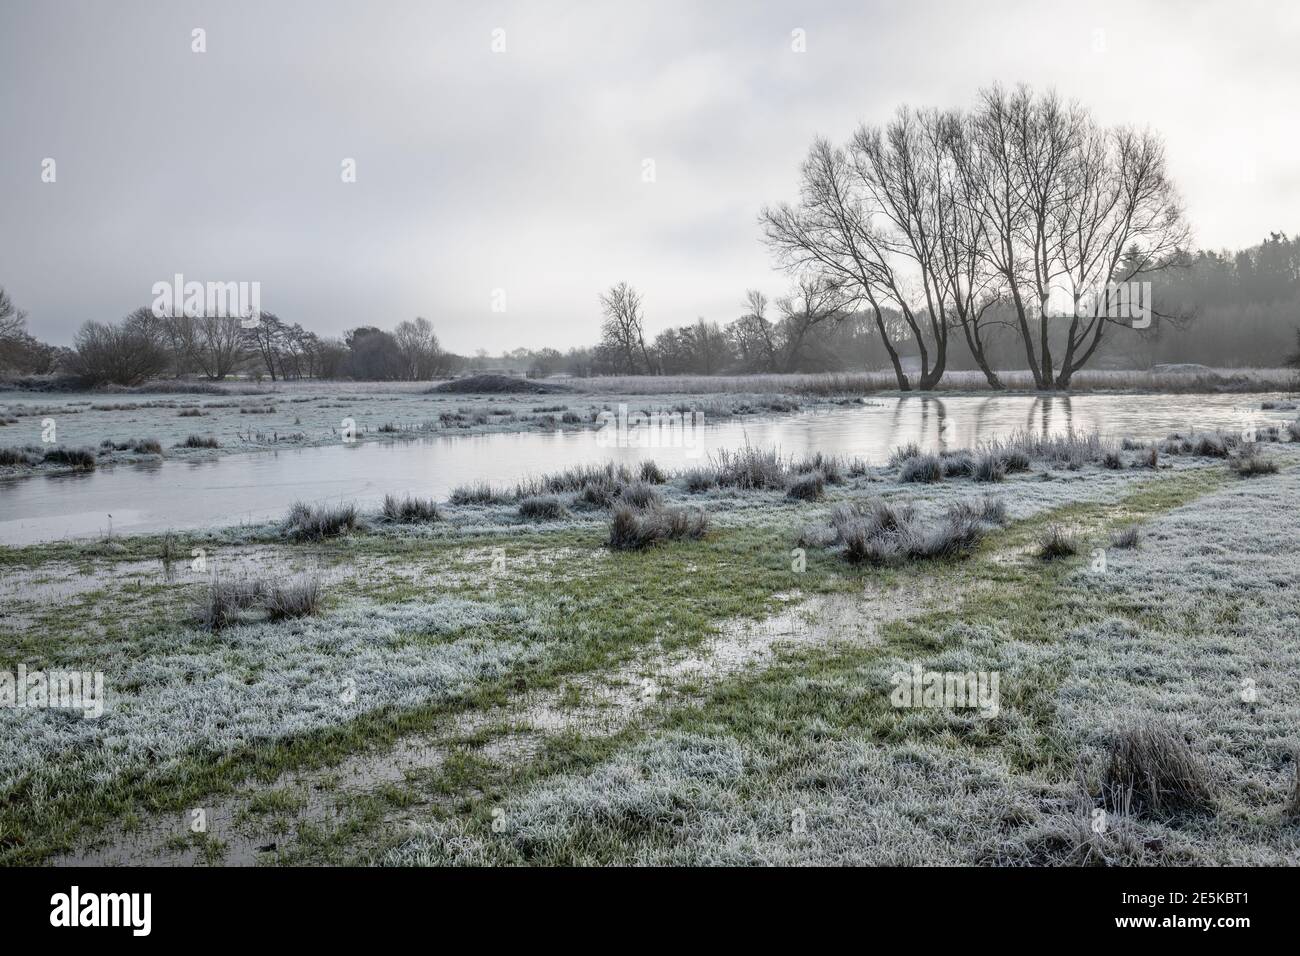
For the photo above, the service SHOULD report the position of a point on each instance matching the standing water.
(259, 486)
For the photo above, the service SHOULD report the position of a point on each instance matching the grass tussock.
(882, 534)
(989, 468)
(479, 493)
(301, 598)
(652, 474)
(832, 468)
(227, 602)
(78, 459)
(699, 480)
(542, 508)
(1057, 543)
(410, 510)
(1126, 537)
(1249, 464)
(809, 487)
(921, 468)
(751, 469)
(199, 441)
(957, 464)
(639, 494)
(315, 522)
(28, 455)
(1068, 450)
(631, 529)
(1152, 769)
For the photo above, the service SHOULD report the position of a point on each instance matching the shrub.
(544, 508)
(410, 510)
(1152, 768)
(652, 473)
(921, 468)
(809, 487)
(1055, 543)
(125, 354)
(632, 530)
(312, 523)
(78, 459)
(480, 493)
(199, 441)
(301, 598)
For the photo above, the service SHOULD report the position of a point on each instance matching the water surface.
(258, 486)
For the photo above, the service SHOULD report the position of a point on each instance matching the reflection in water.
(259, 486)
(1043, 409)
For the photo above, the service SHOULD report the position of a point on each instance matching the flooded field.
(158, 495)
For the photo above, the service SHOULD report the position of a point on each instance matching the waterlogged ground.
(275, 448)
(486, 689)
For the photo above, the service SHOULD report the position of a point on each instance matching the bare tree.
(836, 230)
(265, 339)
(623, 327)
(125, 354)
(419, 346)
(1065, 205)
(814, 300)
(753, 336)
(972, 221)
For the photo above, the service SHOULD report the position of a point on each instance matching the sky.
(514, 159)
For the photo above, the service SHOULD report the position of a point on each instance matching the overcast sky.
(523, 170)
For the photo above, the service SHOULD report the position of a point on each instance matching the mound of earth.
(497, 384)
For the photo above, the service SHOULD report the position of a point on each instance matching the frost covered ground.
(487, 688)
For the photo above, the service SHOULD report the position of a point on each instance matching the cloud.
(523, 170)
